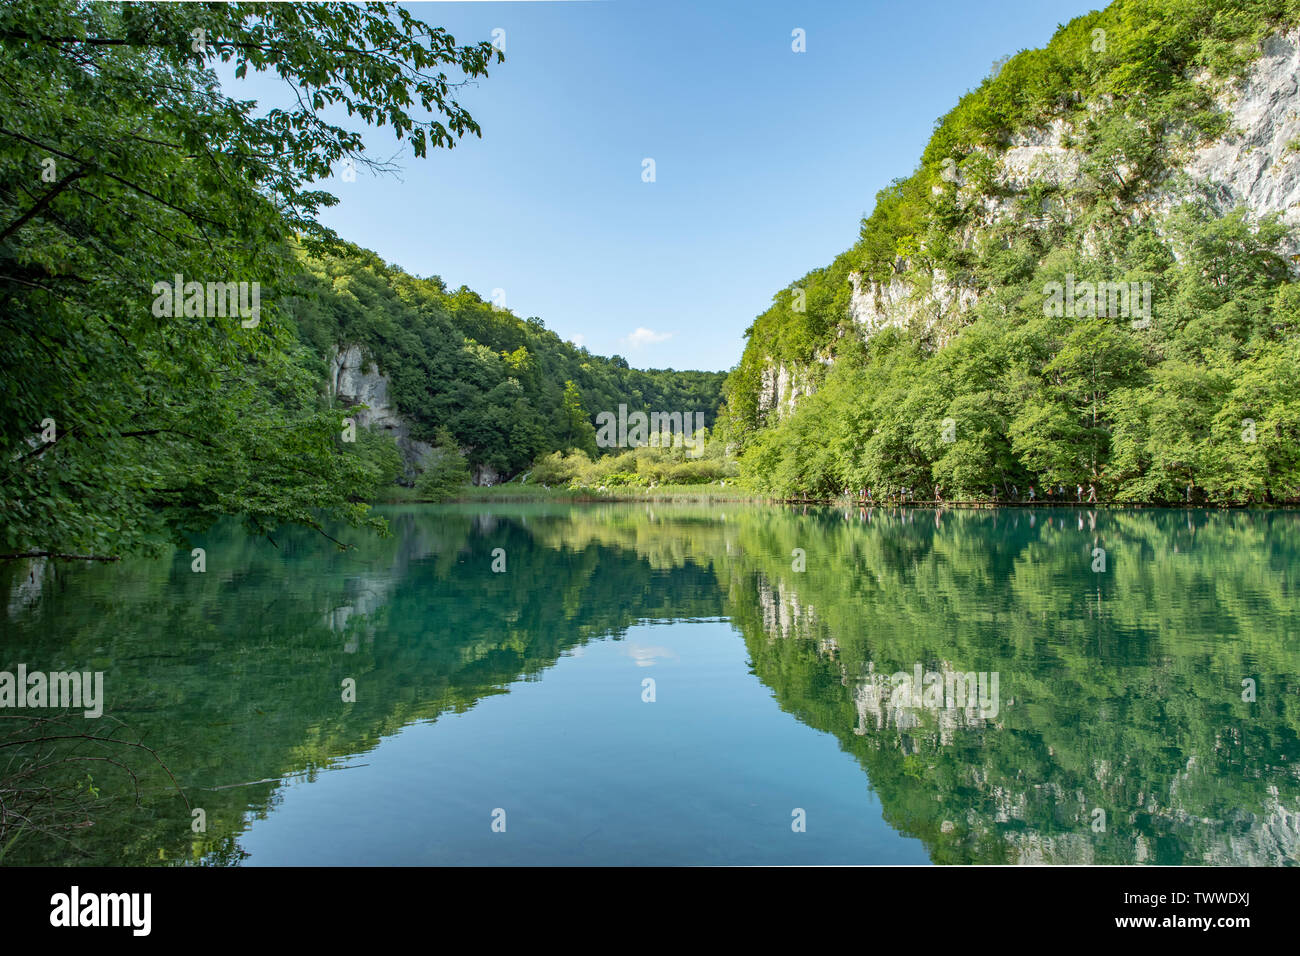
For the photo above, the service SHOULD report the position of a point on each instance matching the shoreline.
(1108, 504)
(668, 494)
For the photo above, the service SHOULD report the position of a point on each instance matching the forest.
(1199, 400)
(124, 163)
(467, 375)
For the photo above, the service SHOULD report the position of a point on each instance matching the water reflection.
(1147, 712)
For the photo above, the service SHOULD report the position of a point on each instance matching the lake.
(686, 684)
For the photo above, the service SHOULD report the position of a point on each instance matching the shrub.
(445, 473)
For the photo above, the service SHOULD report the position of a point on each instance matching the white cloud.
(578, 340)
(644, 656)
(646, 337)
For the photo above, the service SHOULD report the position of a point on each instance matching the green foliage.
(122, 165)
(647, 467)
(578, 432)
(445, 473)
(507, 389)
(381, 455)
(1139, 409)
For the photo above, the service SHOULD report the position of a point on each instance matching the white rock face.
(353, 384)
(781, 386)
(1253, 165)
(935, 307)
(362, 387)
(1039, 155)
(900, 305)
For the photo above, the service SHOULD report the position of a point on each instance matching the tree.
(124, 168)
(445, 473)
(578, 433)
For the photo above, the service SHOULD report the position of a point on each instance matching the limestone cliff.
(359, 384)
(1255, 164)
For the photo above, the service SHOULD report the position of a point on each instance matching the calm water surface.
(664, 684)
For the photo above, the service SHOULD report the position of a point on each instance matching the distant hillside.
(168, 355)
(1089, 278)
(427, 360)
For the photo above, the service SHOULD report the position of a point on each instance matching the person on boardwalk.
(1092, 493)
(1031, 494)
(1078, 493)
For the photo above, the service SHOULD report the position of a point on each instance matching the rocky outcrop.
(901, 304)
(364, 389)
(484, 475)
(780, 387)
(1255, 165)
(359, 384)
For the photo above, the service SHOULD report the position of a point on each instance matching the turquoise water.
(504, 716)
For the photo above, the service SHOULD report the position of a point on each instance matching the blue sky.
(765, 159)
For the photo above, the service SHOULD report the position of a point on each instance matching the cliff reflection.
(1118, 691)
